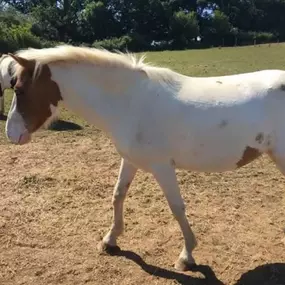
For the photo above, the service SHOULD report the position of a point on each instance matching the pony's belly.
(208, 160)
(214, 165)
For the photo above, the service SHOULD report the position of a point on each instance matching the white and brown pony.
(157, 119)
(6, 80)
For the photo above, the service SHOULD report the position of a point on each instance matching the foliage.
(252, 37)
(15, 32)
(141, 24)
(121, 44)
(184, 28)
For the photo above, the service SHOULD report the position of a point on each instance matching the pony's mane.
(100, 57)
(72, 54)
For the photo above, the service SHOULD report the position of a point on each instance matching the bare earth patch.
(55, 207)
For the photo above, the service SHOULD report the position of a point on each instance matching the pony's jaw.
(52, 118)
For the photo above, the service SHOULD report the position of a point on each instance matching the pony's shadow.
(61, 125)
(3, 117)
(267, 274)
(210, 277)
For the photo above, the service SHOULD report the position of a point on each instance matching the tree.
(146, 21)
(219, 26)
(96, 22)
(184, 28)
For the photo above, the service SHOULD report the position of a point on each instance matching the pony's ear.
(26, 63)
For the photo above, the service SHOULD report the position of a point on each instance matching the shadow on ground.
(209, 275)
(61, 125)
(267, 274)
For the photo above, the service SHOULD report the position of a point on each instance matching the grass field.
(55, 204)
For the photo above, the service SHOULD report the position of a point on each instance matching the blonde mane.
(70, 54)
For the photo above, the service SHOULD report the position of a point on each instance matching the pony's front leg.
(166, 178)
(126, 176)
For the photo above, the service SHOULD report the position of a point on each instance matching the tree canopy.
(143, 24)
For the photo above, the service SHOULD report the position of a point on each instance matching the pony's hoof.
(185, 265)
(109, 249)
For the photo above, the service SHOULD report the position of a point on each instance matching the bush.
(17, 37)
(120, 44)
(24, 38)
(264, 37)
(258, 37)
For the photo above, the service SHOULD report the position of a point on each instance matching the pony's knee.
(120, 193)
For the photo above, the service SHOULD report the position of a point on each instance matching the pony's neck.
(100, 95)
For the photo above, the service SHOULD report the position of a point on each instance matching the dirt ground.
(55, 206)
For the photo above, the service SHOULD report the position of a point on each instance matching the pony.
(158, 120)
(6, 80)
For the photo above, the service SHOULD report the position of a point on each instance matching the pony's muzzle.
(24, 138)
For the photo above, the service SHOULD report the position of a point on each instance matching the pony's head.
(35, 99)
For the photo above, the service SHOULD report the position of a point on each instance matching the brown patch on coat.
(220, 82)
(282, 87)
(223, 123)
(259, 138)
(35, 95)
(249, 155)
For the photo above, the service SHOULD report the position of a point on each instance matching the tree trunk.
(66, 5)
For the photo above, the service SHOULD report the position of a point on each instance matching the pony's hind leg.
(166, 178)
(126, 176)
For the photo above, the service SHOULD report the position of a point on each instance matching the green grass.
(224, 61)
(208, 62)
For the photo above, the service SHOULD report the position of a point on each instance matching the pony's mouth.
(25, 138)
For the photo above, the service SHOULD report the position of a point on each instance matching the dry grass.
(55, 206)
